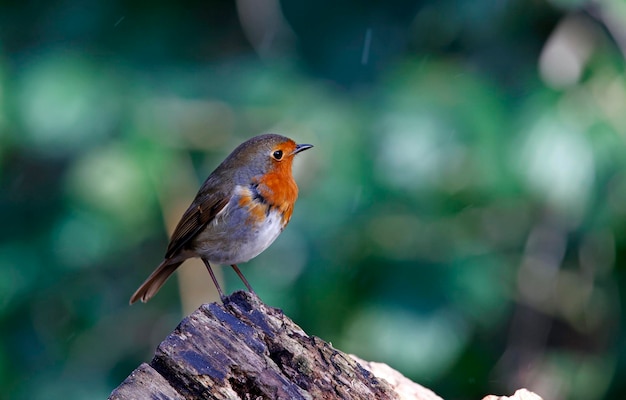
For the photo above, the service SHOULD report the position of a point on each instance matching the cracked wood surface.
(248, 350)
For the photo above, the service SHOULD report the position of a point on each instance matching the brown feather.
(154, 282)
(194, 220)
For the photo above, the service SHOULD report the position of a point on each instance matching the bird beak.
(301, 147)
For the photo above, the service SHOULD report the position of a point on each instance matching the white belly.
(231, 239)
(264, 237)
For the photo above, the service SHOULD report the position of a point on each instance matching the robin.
(238, 212)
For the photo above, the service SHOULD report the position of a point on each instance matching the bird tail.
(154, 282)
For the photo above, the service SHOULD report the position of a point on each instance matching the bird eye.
(278, 154)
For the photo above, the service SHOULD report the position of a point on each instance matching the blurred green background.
(461, 217)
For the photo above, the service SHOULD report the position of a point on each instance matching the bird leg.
(217, 285)
(243, 279)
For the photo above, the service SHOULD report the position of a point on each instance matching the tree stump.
(248, 350)
(245, 349)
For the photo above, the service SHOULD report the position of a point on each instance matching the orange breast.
(275, 191)
(257, 210)
(279, 189)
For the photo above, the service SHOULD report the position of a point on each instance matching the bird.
(238, 212)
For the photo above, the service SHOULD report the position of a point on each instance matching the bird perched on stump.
(238, 212)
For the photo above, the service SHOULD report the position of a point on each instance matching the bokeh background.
(462, 216)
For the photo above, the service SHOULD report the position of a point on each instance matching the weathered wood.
(247, 350)
(405, 388)
(145, 383)
(521, 394)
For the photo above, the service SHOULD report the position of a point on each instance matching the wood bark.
(245, 349)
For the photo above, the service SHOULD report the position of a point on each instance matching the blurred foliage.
(461, 217)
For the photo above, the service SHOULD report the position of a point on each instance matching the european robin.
(238, 212)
